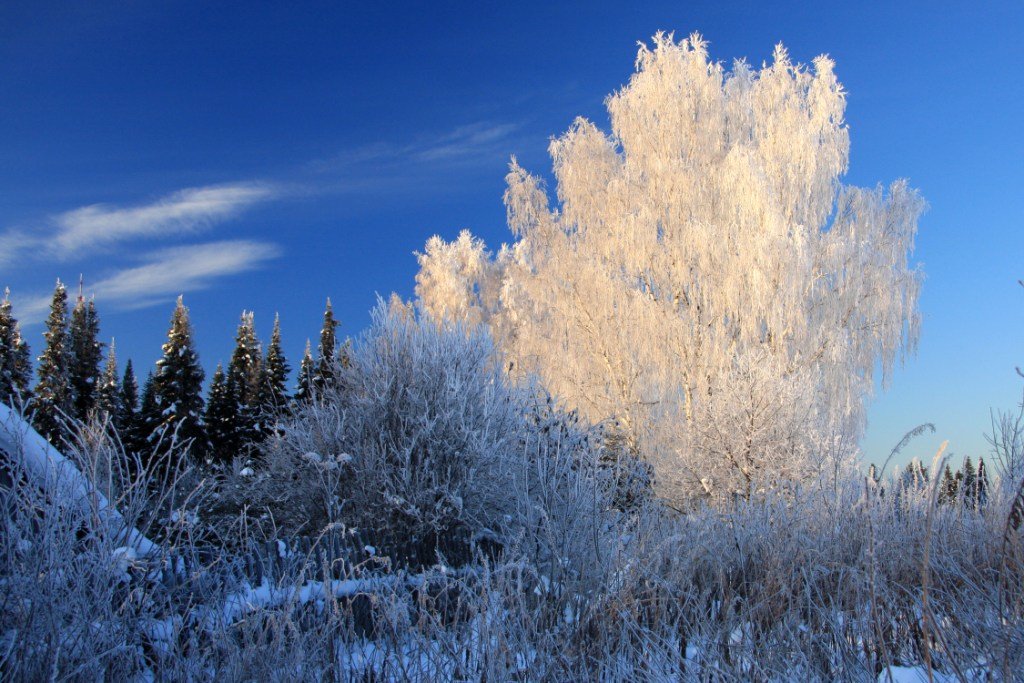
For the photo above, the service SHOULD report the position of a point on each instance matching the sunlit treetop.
(705, 279)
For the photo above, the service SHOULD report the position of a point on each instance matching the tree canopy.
(704, 278)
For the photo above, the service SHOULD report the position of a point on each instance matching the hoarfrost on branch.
(705, 280)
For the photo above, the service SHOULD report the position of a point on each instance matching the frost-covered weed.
(829, 577)
(814, 587)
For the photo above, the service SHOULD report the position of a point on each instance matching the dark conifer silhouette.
(127, 417)
(221, 419)
(305, 387)
(178, 385)
(274, 385)
(326, 374)
(15, 370)
(949, 487)
(969, 484)
(54, 399)
(244, 377)
(108, 394)
(86, 355)
(147, 421)
(981, 495)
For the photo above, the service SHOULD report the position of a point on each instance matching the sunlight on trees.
(704, 279)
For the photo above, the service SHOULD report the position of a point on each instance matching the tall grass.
(558, 580)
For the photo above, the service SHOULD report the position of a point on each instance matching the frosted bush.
(424, 439)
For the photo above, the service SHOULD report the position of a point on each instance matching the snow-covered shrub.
(432, 425)
(425, 441)
(295, 488)
(775, 589)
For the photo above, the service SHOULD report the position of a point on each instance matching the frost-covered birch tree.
(704, 278)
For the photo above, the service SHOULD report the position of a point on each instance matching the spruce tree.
(22, 364)
(244, 379)
(127, 401)
(108, 394)
(969, 484)
(344, 355)
(982, 484)
(146, 421)
(14, 356)
(221, 419)
(54, 398)
(949, 487)
(178, 385)
(326, 374)
(876, 479)
(7, 348)
(275, 375)
(305, 387)
(86, 356)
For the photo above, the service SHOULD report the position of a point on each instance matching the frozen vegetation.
(705, 279)
(500, 539)
(623, 448)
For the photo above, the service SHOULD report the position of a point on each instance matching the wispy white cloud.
(76, 233)
(14, 243)
(468, 145)
(181, 269)
(184, 211)
(121, 232)
(31, 309)
(164, 274)
(476, 140)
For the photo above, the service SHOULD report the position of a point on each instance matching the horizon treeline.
(79, 379)
(243, 402)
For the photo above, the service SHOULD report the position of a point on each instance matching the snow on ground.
(51, 471)
(915, 674)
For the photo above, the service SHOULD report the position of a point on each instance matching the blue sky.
(264, 156)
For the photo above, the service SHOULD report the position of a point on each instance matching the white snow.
(266, 595)
(913, 674)
(123, 558)
(51, 471)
